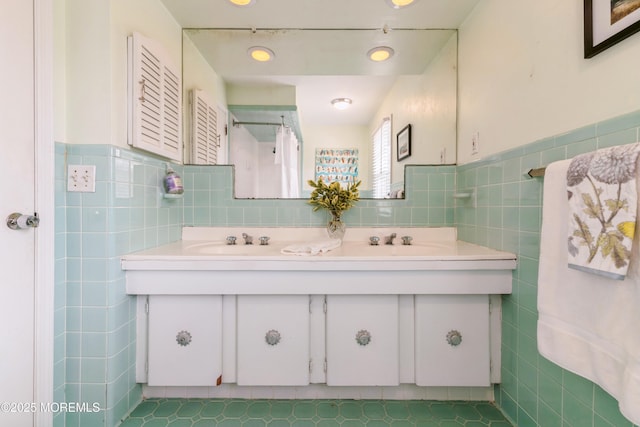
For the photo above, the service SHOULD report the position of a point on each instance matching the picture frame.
(607, 23)
(403, 141)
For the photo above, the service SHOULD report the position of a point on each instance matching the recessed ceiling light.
(341, 103)
(380, 53)
(397, 4)
(242, 2)
(261, 54)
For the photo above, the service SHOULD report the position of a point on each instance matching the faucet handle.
(374, 240)
(406, 240)
(248, 240)
(231, 240)
(389, 239)
(264, 240)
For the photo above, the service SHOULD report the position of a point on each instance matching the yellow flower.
(627, 228)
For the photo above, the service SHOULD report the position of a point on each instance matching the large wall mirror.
(417, 86)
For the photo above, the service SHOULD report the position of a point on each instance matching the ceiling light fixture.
(242, 2)
(398, 4)
(261, 54)
(341, 103)
(380, 53)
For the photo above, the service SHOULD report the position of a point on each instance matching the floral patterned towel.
(601, 187)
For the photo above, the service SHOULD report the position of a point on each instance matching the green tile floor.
(312, 413)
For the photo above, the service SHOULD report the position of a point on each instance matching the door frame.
(44, 201)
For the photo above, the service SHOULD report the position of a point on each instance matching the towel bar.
(534, 173)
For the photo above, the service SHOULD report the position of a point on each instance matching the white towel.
(601, 187)
(312, 248)
(587, 324)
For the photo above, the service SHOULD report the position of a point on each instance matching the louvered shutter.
(155, 104)
(205, 137)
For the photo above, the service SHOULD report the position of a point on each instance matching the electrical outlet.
(81, 178)
(475, 143)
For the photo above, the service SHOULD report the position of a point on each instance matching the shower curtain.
(287, 158)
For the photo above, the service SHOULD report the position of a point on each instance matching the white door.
(362, 340)
(17, 139)
(185, 340)
(273, 340)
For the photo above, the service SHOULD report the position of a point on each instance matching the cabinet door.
(452, 340)
(185, 340)
(362, 340)
(273, 340)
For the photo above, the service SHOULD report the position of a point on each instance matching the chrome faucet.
(388, 240)
(374, 240)
(406, 240)
(264, 240)
(248, 240)
(231, 240)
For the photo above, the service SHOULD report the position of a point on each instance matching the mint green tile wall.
(534, 391)
(95, 319)
(208, 201)
(60, 288)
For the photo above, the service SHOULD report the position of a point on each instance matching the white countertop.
(431, 249)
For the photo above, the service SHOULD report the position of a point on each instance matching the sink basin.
(356, 267)
(220, 248)
(415, 249)
(347, 249)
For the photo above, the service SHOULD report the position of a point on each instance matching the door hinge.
(324, 366)
(310, 365)
(146, 306)
(324, 305)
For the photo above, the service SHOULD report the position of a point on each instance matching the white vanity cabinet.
(184, 340)
(272, 340)
(386, 319)
(452, 341)
(362, 340)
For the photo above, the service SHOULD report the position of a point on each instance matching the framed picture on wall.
(404, 143)
(607, 22)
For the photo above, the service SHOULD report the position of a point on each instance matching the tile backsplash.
(95, 319)
(508, 216)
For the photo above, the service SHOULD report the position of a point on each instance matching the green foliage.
(333, 197)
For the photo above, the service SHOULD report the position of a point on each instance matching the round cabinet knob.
(272, 337)
(363, 337)
(454, 337)
(183, 338)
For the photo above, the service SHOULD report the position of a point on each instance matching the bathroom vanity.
(359, 315)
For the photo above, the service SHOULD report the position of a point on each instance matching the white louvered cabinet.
(205, 129)
(155, 100)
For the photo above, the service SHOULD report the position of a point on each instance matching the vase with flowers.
(336, 200)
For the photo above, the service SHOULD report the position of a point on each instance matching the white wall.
(428, 103)
(93, 79)
(261, 95)
(244, 155)
(523, 76)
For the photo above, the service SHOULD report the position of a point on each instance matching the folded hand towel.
(312, 248)
(601, 187)
(587, 323)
